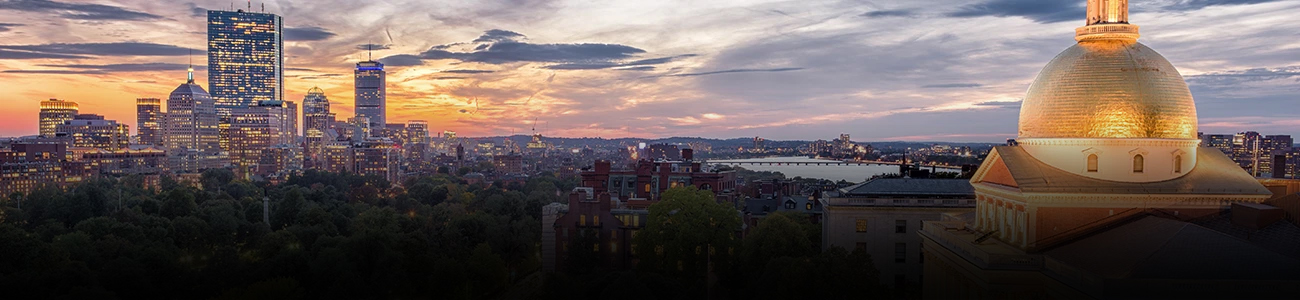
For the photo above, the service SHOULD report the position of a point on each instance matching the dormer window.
(1139, 163)
(1178, 164)
(1092, 163)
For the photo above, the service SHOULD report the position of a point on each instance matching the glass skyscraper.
(370, 93)
(148, 121)
(245, 58)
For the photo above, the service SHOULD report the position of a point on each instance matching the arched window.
(1178, 164)
(1092, 163)
(1138, 163)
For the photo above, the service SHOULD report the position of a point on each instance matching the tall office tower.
(417, 132)
(370, 93)
(92, 131)
(55, 112)
(255, 129)
(316, 120)
(290, 122)
(148, 121)
(190, 134)
(245, 58)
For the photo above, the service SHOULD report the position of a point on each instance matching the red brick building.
(648, 179)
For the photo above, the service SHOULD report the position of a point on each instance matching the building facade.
(882, 217)
(371, 101)
(92, 131)
(648, 179)
(53, 113)
(27, 166)
(190, 130)
(148, 121)
(245, 58)
(316, 121)
(255, 129)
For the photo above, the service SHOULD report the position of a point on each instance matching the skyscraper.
(316, 120)
(55, 112)
(245, 58)
(370, 93)
(255, 129)
(190, 132)
(148, 121)
(290, 122)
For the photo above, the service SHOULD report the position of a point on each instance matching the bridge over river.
(810, 162)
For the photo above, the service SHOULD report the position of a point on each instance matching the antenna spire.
(190, 77)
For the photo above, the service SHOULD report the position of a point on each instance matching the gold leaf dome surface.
(1109, 88)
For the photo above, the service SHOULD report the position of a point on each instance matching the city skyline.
(880, 71)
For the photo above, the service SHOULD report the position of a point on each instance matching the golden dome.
(1108, 88)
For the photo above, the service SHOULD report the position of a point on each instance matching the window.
(807, 206)
(861, 246)
(900, 252)
(1092, 163)
(862, 225)
(582, 220)
(595, 220)
(789, 205)
(900, 226)
(1138, 163)
(1178, 164)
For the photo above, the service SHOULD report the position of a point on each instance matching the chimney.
(688, 154)
(602, 167)
(1255, 216)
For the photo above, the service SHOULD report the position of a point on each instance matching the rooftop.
(1214, 174)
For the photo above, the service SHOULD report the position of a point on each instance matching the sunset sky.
(922, 70)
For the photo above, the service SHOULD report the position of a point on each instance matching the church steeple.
(1107, 20)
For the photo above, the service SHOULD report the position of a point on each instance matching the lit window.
(862, 225)
(582, 220)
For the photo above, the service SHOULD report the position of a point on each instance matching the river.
(851, 173)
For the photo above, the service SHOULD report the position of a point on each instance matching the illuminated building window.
(1138, 163)
(1178, 164)
(1092, 163)
(595, 220)
(862, 225)
(582, 220)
